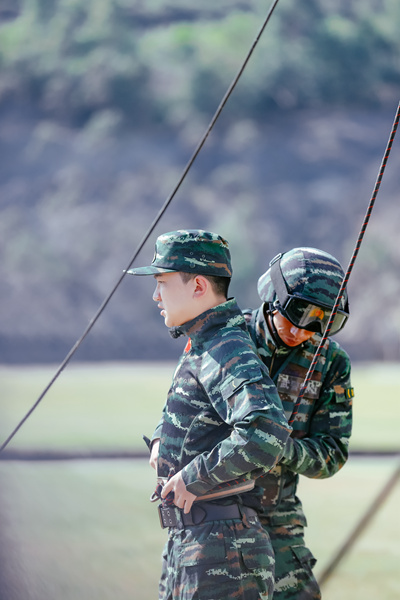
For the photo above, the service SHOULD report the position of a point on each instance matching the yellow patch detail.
(317, 313)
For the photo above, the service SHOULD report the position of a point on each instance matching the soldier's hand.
(154, 454)
(182, 498)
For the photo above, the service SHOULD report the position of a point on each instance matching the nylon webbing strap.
(278, 280)
(350, 267)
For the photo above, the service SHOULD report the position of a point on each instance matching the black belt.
(171, 516)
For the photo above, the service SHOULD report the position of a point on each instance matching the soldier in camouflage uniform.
(222, 424)
(298, 293)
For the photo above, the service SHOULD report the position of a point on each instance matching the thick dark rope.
(349, 269)
(151, 228)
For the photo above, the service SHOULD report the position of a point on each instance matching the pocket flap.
(234, 383)
(257, 558)
(304, 555)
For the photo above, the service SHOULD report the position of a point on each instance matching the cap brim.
(149, 271)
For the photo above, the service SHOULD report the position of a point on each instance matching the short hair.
(220, 285)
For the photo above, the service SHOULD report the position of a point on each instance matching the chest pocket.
(291, 385)
(288, 387)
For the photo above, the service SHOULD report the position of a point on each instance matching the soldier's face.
(175, 299)
(289, 333)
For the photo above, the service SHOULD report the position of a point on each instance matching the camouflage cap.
(309, 273)
(190, 251)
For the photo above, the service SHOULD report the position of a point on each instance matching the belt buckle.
(167, 516)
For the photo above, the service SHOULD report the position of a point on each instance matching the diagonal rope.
(350, 267)
(151, 228)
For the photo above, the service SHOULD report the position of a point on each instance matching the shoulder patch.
(349, 392)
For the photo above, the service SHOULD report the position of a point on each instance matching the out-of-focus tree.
(69, 59)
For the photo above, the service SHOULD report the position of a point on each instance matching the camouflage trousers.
(294, 579)
(218, 560)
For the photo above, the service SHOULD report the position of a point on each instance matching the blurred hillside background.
(102, 103)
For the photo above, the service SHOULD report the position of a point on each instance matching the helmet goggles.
(301, 311)
(304, 314)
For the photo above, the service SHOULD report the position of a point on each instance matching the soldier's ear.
(202, 285)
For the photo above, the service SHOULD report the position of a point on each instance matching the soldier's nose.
(156, 294)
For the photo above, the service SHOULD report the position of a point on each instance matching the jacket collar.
(202, 327)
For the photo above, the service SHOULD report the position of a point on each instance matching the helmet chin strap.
(272, 327)
(269, 317)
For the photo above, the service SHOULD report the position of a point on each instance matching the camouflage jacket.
(223, 417)
(318, 445)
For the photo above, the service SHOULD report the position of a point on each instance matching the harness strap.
(278, 280)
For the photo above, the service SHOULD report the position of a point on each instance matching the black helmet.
(303, 285)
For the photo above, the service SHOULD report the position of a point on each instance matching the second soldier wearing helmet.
(302, 285)
(298, 292)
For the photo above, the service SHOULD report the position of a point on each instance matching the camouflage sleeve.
(325, 448)
(256, 442)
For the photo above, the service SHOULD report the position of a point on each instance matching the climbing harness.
(152, 226)
(349, 269)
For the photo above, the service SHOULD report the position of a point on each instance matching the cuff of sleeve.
(153, 439)
(156, 435)
(289, 452)
(196, 487)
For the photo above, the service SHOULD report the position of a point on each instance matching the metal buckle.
(167, 516)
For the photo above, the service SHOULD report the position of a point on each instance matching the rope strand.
(151, 228)
(350, 267)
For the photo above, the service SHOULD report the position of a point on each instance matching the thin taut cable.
(151, 228)
(349, 269)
